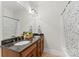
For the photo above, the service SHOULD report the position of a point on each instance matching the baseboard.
(56, 52)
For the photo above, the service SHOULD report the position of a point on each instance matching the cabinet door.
(39, 48)
(30, 51)
(9, 53)
(42, 45)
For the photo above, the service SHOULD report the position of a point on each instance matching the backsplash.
(16, 39)
(71, 28)
(7, 41)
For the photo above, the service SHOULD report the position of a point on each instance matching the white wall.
(51, 23)
(25, 22)
(22, 24)
(0, 24)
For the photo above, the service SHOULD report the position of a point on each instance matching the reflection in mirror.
(17, 18)
(10, 18)
(9, 27)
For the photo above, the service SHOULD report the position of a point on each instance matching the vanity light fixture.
(33, 11)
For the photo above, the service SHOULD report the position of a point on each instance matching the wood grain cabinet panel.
(34, 50)
(39, 48)
(32, 53)
(42, 45)
(9, 53)
(29, 51)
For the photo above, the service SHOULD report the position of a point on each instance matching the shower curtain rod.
(65, 7)
(11, 18)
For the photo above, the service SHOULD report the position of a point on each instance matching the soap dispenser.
(39, 30)
(30, 30)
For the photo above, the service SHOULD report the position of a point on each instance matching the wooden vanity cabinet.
(9, 53)
(34, 50)
(30, 51)
(40, 46)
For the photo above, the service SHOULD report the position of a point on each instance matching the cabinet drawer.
(28, 50)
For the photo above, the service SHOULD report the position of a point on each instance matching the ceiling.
(12, 5)
(24, 5)
(19, 5)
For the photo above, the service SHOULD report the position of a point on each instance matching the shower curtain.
(71, 28)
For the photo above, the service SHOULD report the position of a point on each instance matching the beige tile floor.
(47, 54)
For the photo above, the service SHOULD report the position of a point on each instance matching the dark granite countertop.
(20, 48)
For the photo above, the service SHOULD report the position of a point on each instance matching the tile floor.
(46, 54)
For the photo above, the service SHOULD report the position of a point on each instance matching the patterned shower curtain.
(71, 28)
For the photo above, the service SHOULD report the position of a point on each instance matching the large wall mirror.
(11, 18)
(18, 17)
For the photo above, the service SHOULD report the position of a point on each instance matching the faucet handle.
(13, 40)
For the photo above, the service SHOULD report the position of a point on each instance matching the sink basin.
(22, 43)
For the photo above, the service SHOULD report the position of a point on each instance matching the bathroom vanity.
(33, 49)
